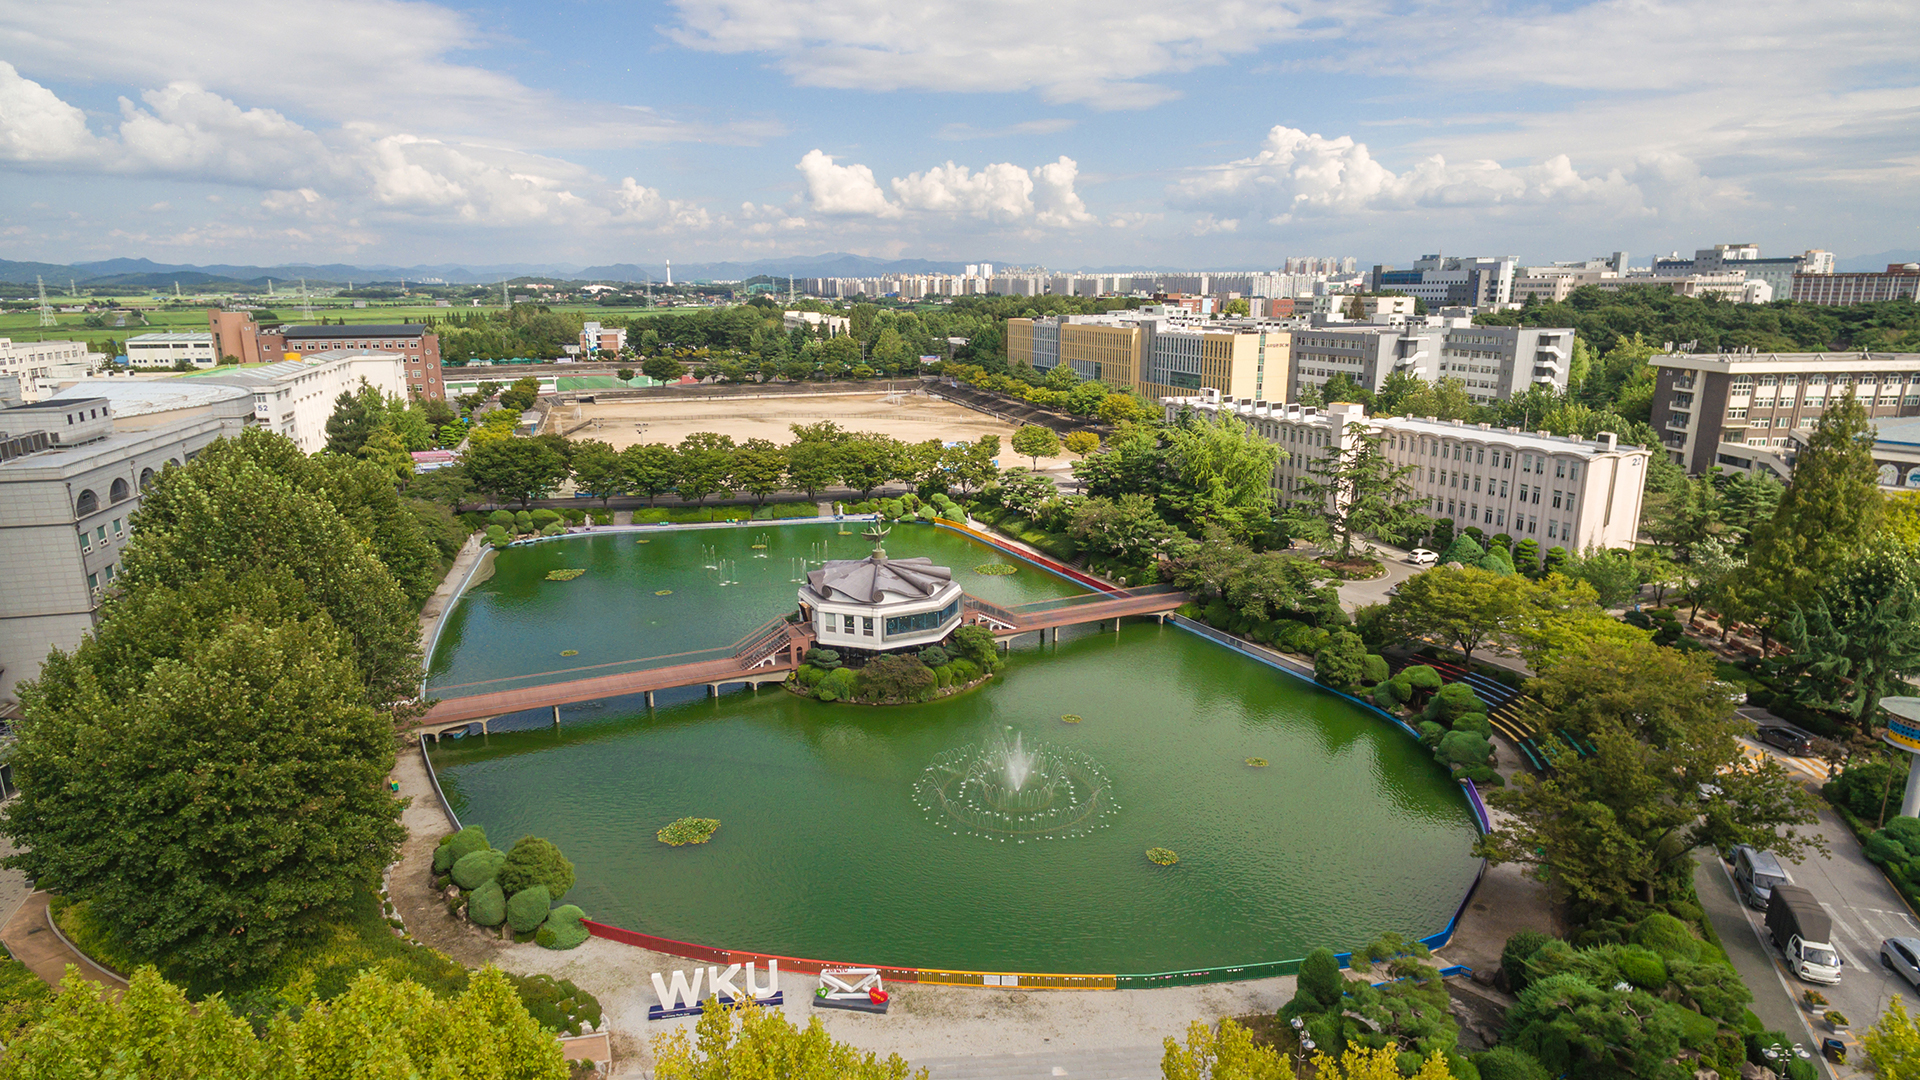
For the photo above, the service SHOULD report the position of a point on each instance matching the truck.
(1803, 933)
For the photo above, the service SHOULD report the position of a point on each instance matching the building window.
(1736, 414)
(1560, 470)
(93, 581)
(100, 534)
(1556, 498)
(926, 620)
(116, 527)
(846, 624)
(866, 625)
(86, 542)
(1553, 530)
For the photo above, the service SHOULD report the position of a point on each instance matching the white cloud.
(1001, 193)
(845, 190)
(36, 126)
(1100, 53)
(186, 131)
(1296, 174)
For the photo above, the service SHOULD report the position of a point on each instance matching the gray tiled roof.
(867, 580)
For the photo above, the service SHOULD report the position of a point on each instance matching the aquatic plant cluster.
(1003, 789)
(689, 830)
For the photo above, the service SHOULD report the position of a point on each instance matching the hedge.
(528, 908)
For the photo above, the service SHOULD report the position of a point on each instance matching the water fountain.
(709, 553)
(760, 546)
(1003, 788)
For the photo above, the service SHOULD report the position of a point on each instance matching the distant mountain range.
(145, 273)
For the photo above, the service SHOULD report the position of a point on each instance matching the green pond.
(844, 836)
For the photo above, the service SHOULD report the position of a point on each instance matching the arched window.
(86, 504)
(146, 479)
(119, 492)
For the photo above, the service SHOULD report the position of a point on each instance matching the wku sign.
(680, 996)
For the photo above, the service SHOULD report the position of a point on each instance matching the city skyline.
(381, 132)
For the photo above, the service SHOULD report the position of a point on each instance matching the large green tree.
(1667, 776)
(211, 806)
(759, 469)
(1355, 490)
(1221, 472)
(516, 470)
(706, 464)
(868, 461)
(1832, 506)
(652, 469)
(1034, 442)
(1857, 638)
(599, 469)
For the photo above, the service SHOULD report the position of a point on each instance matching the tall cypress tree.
(1832, 506)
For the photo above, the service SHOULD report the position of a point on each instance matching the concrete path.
(30, 937)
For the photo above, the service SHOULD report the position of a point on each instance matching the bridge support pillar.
(556, 716)
(649, 699)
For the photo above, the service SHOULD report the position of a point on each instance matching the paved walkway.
(30, 937)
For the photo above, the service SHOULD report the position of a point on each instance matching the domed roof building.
(879, 604)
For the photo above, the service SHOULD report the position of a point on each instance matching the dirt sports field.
(912, 418)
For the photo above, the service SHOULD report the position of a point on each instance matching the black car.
(1792, 740)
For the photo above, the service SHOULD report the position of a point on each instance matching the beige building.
(1161, 352)
(1561, 491)
(42, 365)
(69, 484)
(295, 397)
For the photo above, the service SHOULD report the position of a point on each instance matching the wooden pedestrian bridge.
(766, 655)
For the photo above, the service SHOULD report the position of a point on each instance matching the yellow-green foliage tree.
(752, 1043)
(1228, 1052)
(378, 1028)
(1893, 1043)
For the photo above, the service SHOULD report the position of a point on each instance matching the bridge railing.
(1035, 607)
(768, 636)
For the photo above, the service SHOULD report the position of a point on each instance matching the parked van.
(1755, 873)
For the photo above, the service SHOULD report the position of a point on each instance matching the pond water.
(849, 833)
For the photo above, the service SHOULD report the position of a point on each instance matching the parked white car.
(1423, 557)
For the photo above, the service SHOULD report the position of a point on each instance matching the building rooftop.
(191, 337)
(1759, 361)
(129, 397)
(869, 580)
(60, 462)
(1539, 441)
(1899, 431)
(364, 330)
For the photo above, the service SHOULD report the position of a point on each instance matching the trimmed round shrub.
(1463, 748)
(1509, 1063)
(1643, 968)
(1667, 936)
(475, 869)
(536, 862)
(528, 908)
(964, 671)
(454, 845)
(933, 656)
(544, 517)
(837, 686)
(502, 518)
(1907, 831)
(1513, 958)
(1430, 734)
(563, 929)
(808, 676)
(824, 659)
(1373, 669)
(1452, 701)
(488, 905)
(523, 521)
(1384, 696)
(554, 529)
(1476, 723)
(1217, 614)
(1799, 1069)
(943, 676)
(1884, 849)
(1421, 677)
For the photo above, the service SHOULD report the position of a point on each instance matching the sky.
(1063, 133)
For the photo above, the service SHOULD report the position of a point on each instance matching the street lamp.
(1302, 1044)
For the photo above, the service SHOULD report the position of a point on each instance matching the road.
(1865, 909)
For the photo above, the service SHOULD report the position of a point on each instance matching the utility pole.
(306, 302)
(46, 311)
(176, 290)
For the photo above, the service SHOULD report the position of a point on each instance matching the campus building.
(69, 485)
(236, 336)
(595, 338)
(1561, 491)
(1738, 410)
(1160, 351)
(168, 351)
(1744, 260)
(295, 397)
(39, 365)
(1453, 280)
(1493, 362)
(1900, 281)
(878, 604)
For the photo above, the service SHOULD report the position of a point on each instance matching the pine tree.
(1356, 490)
(1831, 507)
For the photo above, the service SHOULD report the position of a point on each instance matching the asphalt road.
(1865, 909)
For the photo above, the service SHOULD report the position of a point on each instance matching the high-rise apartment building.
(1737, 410)
(1559, 490)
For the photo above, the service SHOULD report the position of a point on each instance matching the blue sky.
(1231, 133)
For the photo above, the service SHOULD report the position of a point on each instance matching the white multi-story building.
(604, 339)
(1439, 279)
(41, 365)
(167, 351)
(1562, 491)
(295, 397)
(1493, 362)
(810, 320)
(69, 485)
